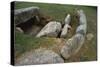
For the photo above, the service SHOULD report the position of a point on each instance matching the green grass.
(24, 43)
(58, 12)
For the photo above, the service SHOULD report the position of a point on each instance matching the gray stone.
(24, 14)
(67, 19)
(66, 26)
(50, 30)
(82, 17)
(65, 31)
(82, 28)
(72, 46)
(39, 56)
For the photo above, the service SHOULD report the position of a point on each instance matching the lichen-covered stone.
(24, 14)
(50, 30)
(82, 28)
(39, 56)
(66, 26)
(72, 46)
(65, 30)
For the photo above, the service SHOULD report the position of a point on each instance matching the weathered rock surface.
(65, 31)
(24, 14)
(82, 17)
(51, 29)
(66, 26)
(82, 28)
(72, 46)
(39, 56)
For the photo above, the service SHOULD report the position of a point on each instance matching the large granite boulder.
(50, 30)
(24, 14)
(39, 56)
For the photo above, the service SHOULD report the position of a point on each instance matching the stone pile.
(73, 44)
(53, 29)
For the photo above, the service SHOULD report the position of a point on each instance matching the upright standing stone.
(65, 31)
(82, 28)
(66, 26)
(67, 19)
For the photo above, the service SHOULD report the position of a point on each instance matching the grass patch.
(25, 43)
